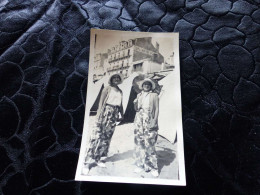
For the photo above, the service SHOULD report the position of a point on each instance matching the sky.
(104, 42)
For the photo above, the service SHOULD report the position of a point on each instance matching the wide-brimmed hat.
(119, 74)
(147, 80)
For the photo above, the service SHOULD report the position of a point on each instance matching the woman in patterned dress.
(110, 105)
(146, 128)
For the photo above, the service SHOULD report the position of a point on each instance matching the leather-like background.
(44, 48)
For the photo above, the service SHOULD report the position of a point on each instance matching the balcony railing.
(117, 59)
(117, 68)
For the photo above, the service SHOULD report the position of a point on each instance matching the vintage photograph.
(133, 122)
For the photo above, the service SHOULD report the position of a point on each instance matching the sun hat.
(147, 80)
(119, 74)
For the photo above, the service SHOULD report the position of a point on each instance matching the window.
(129, 43)
(155, 56)
(128, 52)
(138, 67)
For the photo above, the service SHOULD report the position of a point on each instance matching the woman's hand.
(120, 119)
(153, 123)
(136, 105)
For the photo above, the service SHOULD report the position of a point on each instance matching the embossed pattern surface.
(44, 48)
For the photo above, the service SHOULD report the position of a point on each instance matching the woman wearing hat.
(110, 105)
(146, 128)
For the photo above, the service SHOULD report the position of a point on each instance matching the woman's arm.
(154, 120)
(156, 104)
(121, 109)
(103, 96)
(136, 102)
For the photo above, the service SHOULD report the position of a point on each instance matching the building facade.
(169, 63)
(100, 60)
(134, 55)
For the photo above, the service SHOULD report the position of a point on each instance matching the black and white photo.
(133, 123)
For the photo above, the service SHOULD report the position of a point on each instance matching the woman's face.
(115, 80)
(147, 86)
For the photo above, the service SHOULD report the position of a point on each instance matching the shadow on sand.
(120, 156)
(165, 157)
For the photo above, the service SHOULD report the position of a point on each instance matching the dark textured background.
(44, 48)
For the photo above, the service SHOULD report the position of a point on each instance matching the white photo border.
(180, 144)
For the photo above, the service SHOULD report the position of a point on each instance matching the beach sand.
(120, 162)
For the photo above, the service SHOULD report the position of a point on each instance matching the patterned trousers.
(145, 140)
(102, 133)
